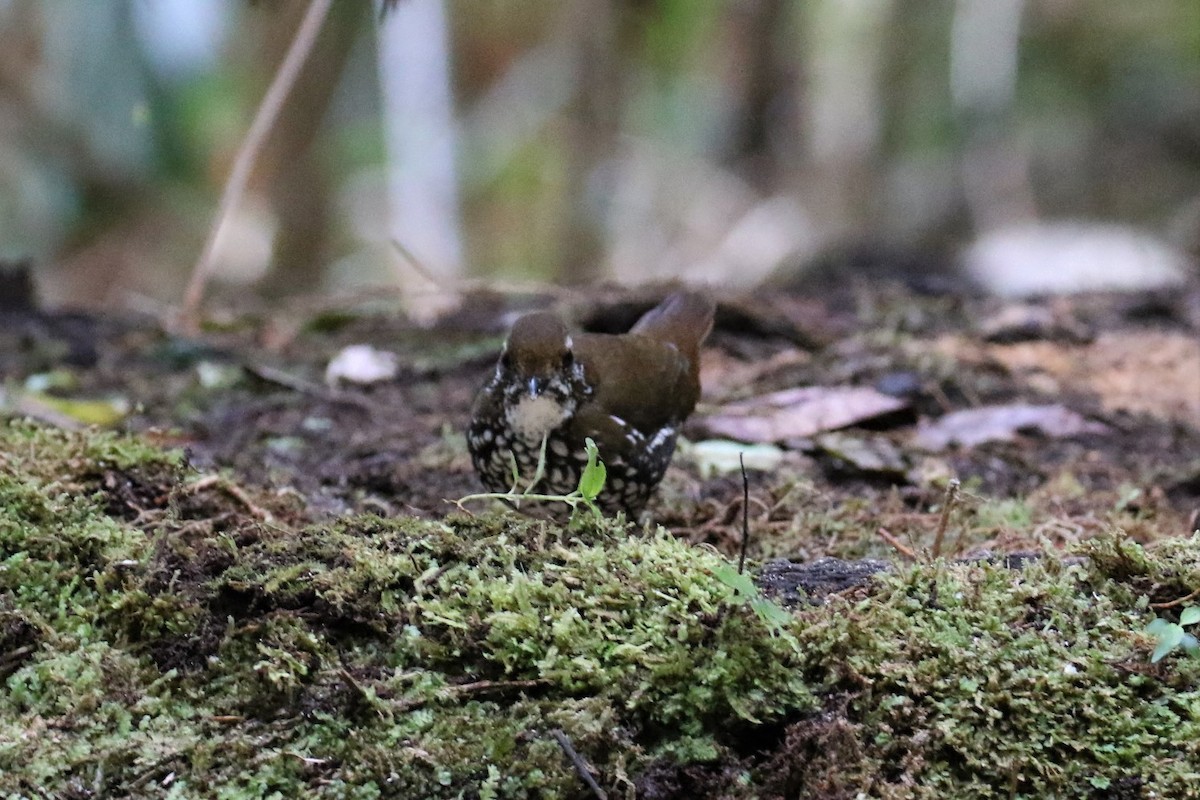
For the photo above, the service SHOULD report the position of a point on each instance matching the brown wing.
(646, 382)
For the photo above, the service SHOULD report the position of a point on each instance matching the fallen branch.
(745, 514)
(468, 690)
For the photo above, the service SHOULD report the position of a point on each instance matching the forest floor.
(933, 436)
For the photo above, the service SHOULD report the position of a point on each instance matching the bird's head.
(538, 370)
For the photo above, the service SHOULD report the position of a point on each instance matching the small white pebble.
(361, 364)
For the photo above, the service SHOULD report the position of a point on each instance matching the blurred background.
(1032, 145)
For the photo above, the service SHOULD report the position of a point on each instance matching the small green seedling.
(772, 615)
(591, 483)
(591, 480)
(1172, 636)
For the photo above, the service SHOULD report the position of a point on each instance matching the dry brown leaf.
(722, 374)
(799, 413)
(974, 426)
(1153, 372)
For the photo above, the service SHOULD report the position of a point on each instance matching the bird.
(629, 393)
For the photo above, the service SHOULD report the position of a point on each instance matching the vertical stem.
(947, 507)
(745, 513)
(247, 154)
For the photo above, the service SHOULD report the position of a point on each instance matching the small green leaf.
(1190, 644)
(740, 582)
(591, 482)
(770, 612)
(1157, 626)
(1168, 640)
(1190, 615)
(90, 412)
(516, 473)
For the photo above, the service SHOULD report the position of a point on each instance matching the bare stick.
(745, 514)
(486, 687)
(231, 489)
(1177, 601)
(580, 765)
(466, 690)
(247, 154)
(900, 546)
(947, 507)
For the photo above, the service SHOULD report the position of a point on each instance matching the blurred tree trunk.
(290, 170)
(983, 78)
(601, 31)
(758, 68)
(421, 132)
(841, 97)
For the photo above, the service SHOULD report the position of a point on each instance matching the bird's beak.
(536, 386)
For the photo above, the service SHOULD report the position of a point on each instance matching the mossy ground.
(288, 611)
(164, 635)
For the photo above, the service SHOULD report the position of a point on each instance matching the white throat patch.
(534, 417)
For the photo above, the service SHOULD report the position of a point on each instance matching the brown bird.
(628, 392)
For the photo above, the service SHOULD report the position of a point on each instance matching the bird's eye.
(506, 360)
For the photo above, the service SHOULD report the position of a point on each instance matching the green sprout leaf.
(591, 482)
(740, 582)
(774, 616)
(516, 472)
(1169, 637)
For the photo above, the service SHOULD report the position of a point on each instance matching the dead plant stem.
(247, 155)
(947, 508)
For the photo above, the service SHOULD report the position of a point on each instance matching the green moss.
(1006, 683)
(1162, 574)
(154, 656)
(54, 457)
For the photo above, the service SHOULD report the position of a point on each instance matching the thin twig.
(282, 379)
(1178, 601)
(421, 268)
(350, 681)
(488, 687)
(466, 690)
(247, 154)
(745, 513)
(234, 491)
(947, 507)
(581, 766)
(900, 546)
(156, 768)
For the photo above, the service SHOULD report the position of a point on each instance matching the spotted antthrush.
(629, 392)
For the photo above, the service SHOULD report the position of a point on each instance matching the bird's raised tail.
(684, 319)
